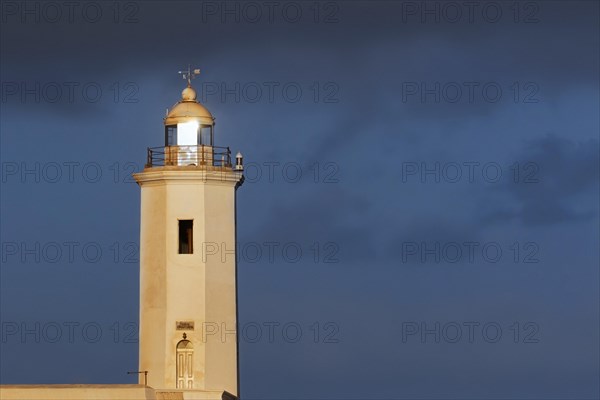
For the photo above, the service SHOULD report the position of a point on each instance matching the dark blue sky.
(449, 184)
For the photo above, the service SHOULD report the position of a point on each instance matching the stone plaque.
(185, 325)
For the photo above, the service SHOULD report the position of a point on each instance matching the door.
(185, 365)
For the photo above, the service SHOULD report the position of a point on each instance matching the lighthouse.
(188, 306)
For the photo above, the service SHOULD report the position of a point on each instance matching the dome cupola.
(188, 109)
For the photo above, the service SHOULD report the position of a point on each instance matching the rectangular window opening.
(171, 133)
(186, 239)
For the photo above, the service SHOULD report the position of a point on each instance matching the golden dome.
(188, 109)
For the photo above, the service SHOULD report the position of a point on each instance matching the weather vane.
(189, 74)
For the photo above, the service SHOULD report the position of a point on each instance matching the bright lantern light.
(187, 133)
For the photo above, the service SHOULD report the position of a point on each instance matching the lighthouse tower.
(188, 310)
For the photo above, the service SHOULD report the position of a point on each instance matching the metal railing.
(196, 155)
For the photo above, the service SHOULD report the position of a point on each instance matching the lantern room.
(189, 123)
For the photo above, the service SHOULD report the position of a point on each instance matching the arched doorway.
(185, 365)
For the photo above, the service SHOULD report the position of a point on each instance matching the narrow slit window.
(186, 238)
